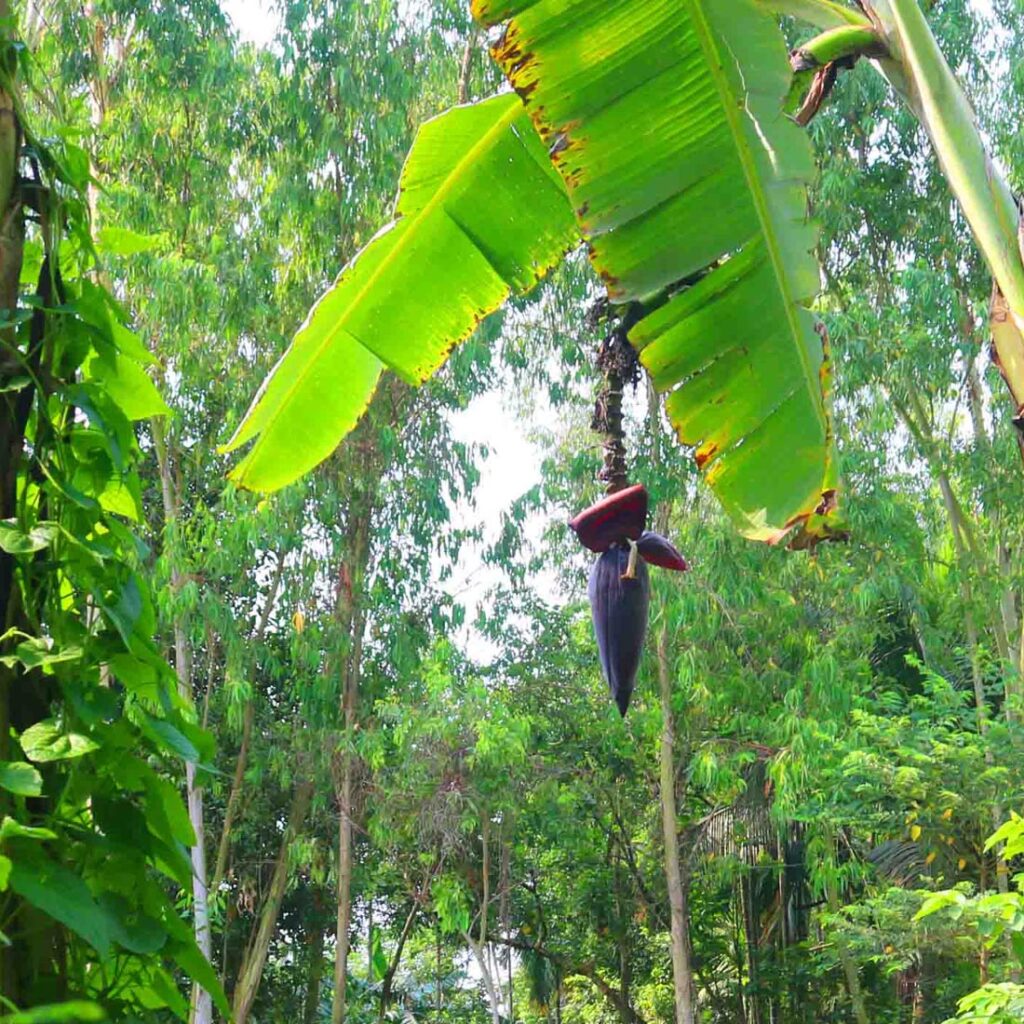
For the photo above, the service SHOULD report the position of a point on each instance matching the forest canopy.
(396, 398)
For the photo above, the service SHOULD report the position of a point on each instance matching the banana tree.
(660, 135)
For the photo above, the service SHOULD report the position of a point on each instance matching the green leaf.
(166, 811)
(45, 742)
(379, 963)
(136, 675)
(132, 929)
(5, 872)
(53, 889)
(129, 386)
(123, 498)
(481, 214)
(665, 120)
(20, 778)
(1010, 832)
(940, 901)
(187, 955)
(170, 738)
(16, 541)
(11, 829)
(58, 1013)
(74, 165)
(127, 611)
(123, 242)
(38, 652)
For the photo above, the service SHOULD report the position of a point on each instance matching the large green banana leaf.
(665, 120)
(481, 213)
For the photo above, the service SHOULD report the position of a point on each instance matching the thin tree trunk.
(849, 965)
(201, 1001)
(479, 945)
(248, 719)
(314, 979)
(1007, 625)
(388, 980)
(345, 864)
(352, 622)
(917, 1011)
(616, 997)
(969, 559)
(466, 66)
(622, 944)
(439, 1002)
(749, 914)
(505, 889)
(682, 975)
(12, 241)
(256, 955)
(490, 985)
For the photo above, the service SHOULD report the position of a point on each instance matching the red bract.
(662, 552)
(620, 516)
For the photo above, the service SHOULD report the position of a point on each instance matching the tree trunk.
(491, 986)
(969, 560)
(314, 979)
(256, 955)
(849, 965)
(352, 622)
(12, 241)
(388, 981)
(338, 1007)
(617, 998)
(248, 719)
(201, 1011)
(750, 934)
(682, 976)
(202, 1003)
(622, 945)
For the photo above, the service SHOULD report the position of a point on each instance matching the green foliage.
(86, 910)
(454, 252)
(846, 726)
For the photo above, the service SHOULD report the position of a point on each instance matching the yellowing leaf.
(915, 832)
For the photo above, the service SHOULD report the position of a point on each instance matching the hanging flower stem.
(617, 361)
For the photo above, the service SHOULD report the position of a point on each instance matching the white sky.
(253, 19)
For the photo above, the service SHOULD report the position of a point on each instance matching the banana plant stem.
(824, 14)
(917, 69)
(837, 44)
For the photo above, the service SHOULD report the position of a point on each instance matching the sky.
(253, 19)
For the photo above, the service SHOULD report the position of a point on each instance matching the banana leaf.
(665, 120)
(481, 214)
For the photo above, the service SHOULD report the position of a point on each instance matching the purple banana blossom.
(619, 587)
